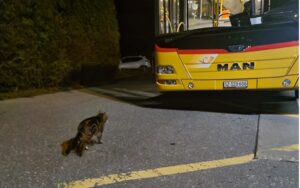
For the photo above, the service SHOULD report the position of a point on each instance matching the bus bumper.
(253, 84)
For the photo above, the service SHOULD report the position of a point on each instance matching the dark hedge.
(48, 43)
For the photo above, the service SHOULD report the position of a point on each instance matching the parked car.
(134, 62)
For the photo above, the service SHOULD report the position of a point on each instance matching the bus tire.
(297, 93)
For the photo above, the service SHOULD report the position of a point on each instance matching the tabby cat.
(87, 130)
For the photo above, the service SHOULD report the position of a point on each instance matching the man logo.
(236, 66)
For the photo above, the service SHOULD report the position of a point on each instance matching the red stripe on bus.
(206, 51)
(272, 46)
(222, 51)
(159, 49)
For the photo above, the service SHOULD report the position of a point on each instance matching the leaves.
(42, 42)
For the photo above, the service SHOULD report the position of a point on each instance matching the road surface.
(210, 139)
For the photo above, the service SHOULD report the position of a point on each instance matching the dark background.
(136, 20)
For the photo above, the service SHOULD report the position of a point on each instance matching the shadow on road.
(227, 102)
(140, 90)
(246, 102)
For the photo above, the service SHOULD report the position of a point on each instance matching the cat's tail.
(68, 145)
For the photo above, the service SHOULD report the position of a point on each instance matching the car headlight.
(165, 69)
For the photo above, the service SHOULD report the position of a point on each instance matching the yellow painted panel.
(266, 64)
(271, 68)
(164, 87)
(172, 58)
(295, 68)
(281, 53)
(240, 74)
(273, 83)
(167, 76)
(200, 84)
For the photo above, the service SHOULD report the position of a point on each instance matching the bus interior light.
(165, 69)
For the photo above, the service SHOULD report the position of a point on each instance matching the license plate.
(235, 84)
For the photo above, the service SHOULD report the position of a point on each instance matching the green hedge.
(48, 43)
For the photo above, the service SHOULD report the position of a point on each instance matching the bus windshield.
(182, 15)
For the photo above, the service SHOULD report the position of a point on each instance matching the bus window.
(171, 16)
(202, 13)
(182, 15)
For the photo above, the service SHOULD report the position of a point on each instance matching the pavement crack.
(256, 138)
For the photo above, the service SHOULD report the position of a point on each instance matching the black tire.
(297, 93)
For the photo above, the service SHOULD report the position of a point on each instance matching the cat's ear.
(101, 113)
(103, 116)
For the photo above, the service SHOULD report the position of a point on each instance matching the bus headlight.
(165, 69)
(168, 82)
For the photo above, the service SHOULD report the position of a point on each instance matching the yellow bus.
(258, 53)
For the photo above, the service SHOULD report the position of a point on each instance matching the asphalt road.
(210, 139)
